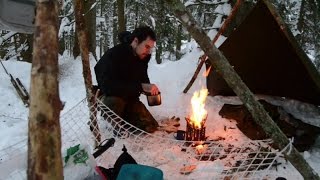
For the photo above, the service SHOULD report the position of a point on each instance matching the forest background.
(105, 19)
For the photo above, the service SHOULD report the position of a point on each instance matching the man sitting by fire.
(122, 76)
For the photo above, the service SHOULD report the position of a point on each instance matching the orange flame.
(198, 112)
(206, 73)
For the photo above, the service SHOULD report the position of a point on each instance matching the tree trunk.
(159, 48)
(76, 48)
(136, 21)
(178, 42)
(160, 27)
(102, 4)
(71, 40)
(44, 140)
(159, 52)
(301, 24)
(62, 43)
(315, 6)
(105, 34)
(220, 62)
(121, 19)
(90, 18)
(317, 47)
(84, 49)
(101, 41)
(16, 41)
(114, 25)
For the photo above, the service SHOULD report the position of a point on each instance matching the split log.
(304, 134)
(222, 65)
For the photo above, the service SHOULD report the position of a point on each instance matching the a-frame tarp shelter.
(268, 59)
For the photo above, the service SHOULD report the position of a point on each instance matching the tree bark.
(222, 65)
(301, 23)
(62, 43)
(90, 18)
(91, 25)
(160, 27)
(121, 19)
(136, 20)
(84, 51)
(114, 25)
(76, 48)
(178, 42)
(44, 137)
(315, 7)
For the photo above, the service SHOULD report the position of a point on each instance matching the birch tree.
(44, 136)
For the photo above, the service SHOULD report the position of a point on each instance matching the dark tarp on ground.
(268, 59)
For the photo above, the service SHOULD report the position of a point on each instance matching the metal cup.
(154, 100)
(180, 135)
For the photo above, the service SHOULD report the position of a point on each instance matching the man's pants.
(133, 112)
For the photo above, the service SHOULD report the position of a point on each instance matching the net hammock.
(177, 159)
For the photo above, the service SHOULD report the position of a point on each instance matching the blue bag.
(139, 172)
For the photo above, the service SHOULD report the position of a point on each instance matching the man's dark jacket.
(120, 72)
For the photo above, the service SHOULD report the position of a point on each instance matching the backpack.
(126, 168)
(112, 173)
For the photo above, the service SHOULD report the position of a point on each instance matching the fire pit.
(195, 133)
(196, 129)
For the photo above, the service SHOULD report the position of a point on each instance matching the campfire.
(196, 129)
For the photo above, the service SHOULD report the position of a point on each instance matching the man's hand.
(150, 88)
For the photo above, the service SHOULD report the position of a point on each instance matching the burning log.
(196, 129)
(195, 133)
